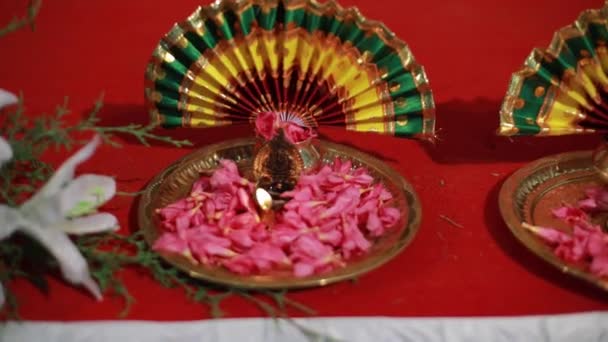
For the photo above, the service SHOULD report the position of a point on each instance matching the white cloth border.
(580, 327)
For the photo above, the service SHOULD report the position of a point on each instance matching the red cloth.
(469, 49)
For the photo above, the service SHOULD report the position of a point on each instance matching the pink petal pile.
(332, 215)
(267, 125)
(587, 244)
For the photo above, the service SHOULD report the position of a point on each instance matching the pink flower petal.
(342, 166)
(303, 269)
(304, 195)
(171, 243)
(330, 224)
(203, 235)
(241, 237)
(283, 235)
(354, 240)
(198, 218)
(363, 180)
(568, 253)
(588, 204)
(310, 214)
(597, 244)
(385, 195)
(335, 178)
(244, 221)
(597, 198)
(209, 209)
(550, 235)
(240, 264)
(570, 214)
(222, 200)
(182, 222)
(246, 200)
(390, 216)
(230, 167)
(259, 232)
(294, 220)
(295, 133)
(200, 185)
(346, 201)
(224, 218)
(214, 249)
(227, 177)
(374, 225)
(366, 207)
(333, 237)
(173, 210)
(336, 165)
(599, 266)
(268, 252)
(266, 125)
(310, 247)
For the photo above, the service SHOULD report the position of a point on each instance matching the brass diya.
(314, 63)
(176, 180)
(532, 192)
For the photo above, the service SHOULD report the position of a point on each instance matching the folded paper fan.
(315, 64)
(564, 88)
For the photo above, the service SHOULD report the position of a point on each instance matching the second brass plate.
(176, 181)
(531, 193)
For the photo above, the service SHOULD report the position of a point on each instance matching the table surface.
(469, 49)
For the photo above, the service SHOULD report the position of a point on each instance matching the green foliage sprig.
(31, 137)
(19, 22)
(110, 253)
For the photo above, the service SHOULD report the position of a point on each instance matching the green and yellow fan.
(562, 89)
(313, 63)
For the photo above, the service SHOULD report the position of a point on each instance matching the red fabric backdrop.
(469, 49)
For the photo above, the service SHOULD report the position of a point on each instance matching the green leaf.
(122, 291)
(103, 276)
(200, 294)
(39, 281)
(30, 19)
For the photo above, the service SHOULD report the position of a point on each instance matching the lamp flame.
(263, 199)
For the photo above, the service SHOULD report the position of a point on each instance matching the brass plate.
(176, 181)
(533, 191)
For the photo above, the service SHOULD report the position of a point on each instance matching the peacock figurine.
(311, 63)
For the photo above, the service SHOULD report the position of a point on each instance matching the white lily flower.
(6, 153)
(6, 99)
(65, 205)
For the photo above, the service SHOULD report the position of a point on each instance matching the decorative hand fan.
(315, 64)
(562, 89)
(558, 206)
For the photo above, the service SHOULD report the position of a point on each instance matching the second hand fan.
(314, 64)
(562, 90)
